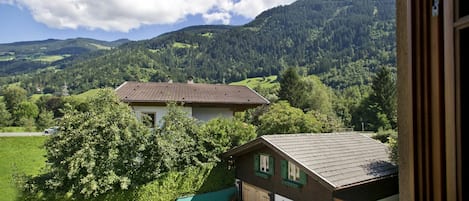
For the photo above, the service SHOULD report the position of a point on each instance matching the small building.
(201, 101)
(314, 167)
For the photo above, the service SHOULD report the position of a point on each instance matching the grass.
(19, 154)
(50, 58)
(14, 129)
(182, 45)
(7, 58)
(100, 47)
(265, 82)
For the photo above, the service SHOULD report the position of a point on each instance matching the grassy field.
(20, 154)
(267, 82)
(50, 58)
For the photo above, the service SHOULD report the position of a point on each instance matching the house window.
(292, 175)
(293, 172)
(263, 165)
(149, 119)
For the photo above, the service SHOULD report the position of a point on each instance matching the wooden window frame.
(429, 92)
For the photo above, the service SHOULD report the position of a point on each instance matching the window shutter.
(271, 165)
(303, 177)
(256, 162)
(284, 169)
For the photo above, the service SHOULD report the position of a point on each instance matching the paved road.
(21, 134)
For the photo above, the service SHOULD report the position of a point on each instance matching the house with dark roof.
(313, 167)
(201, 101)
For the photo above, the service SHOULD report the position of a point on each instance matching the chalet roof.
(156, 92)
(338, 159)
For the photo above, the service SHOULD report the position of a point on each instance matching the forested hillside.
(342, 41)
(21, 57)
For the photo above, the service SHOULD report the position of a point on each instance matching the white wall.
(205, 113)
(159, 110)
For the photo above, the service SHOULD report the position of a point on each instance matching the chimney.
(190, 80)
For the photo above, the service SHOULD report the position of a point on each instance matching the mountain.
(341, 41)
(23, 57)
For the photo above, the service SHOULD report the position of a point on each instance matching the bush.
(383, 135)
(96, 151)
(220, 134)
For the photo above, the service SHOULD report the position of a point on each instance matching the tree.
(5, 116)
(98, 150)
(25, 113)
(45, 119)
(291, 87)
(220, 134)
(283, 118)
(317, 96)
(384, 94)
(13, 96)
(378, 110)
(176, 140)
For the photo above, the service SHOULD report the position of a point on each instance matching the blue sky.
(26, 20)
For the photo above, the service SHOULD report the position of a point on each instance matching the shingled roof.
(338, 159)
(155, 92)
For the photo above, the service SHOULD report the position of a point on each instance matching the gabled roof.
(156, 92)
(339, 160)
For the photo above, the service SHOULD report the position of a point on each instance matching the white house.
(201, 101)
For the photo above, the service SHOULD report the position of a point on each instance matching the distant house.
(322, 167)
(201, 101)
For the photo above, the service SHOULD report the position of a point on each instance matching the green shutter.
(256, 162)
(271, 165)
(302, 177)
(284, 169)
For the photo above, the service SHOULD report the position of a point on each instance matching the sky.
(109, 20)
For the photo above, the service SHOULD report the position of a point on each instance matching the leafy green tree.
(317, 96)
(176, 140)
(283, 118)
(5, 116)
(25, 112)
(98, 150)
(291, 87)
(13, 95)
(45, 119)
(384, 94)
(220, 134)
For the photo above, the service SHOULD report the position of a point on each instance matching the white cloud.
(124, 15)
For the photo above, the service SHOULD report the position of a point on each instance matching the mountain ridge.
(342, 41)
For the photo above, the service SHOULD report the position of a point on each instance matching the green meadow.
(19, 155)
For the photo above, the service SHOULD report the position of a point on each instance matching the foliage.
(283, 118)
(5, 116)
(19, 155)
(96, 151)
(384, 94)
(378, 110)
(316, 96)
(218, 135)
(291, 88)
(45, 119)
(393, 146)
(13, 95)
(171, 185)
(383, 135)
(25, 113)
(328, 122)
(176, 140)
